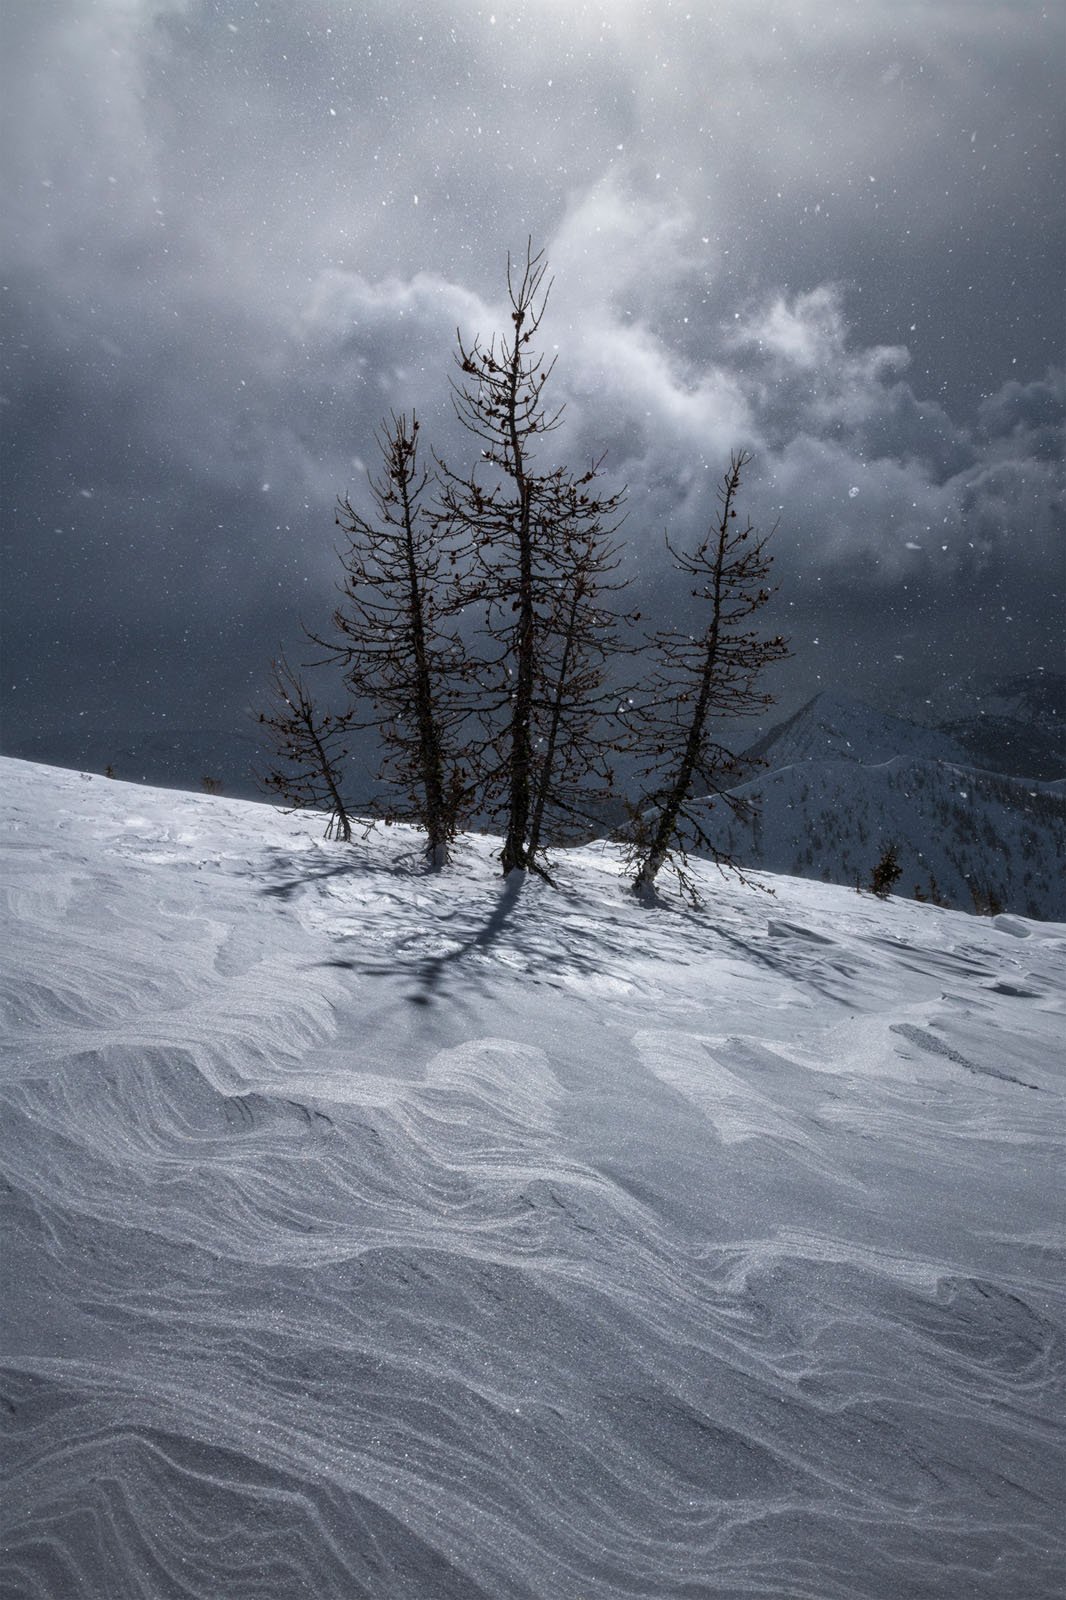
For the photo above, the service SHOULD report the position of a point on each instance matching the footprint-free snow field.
(371, 1233)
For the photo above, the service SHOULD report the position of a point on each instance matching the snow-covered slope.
(370, 1234)
(843, 781)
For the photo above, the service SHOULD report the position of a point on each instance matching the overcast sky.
(236, 234)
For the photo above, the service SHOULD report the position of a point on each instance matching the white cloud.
(871, 479)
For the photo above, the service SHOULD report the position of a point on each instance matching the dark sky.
(236, 234)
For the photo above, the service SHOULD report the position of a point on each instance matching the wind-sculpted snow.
(369, 1233)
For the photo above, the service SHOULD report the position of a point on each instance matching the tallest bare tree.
(527, 524)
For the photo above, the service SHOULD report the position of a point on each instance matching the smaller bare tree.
(405, 666)
(309, 750)
(700, 681)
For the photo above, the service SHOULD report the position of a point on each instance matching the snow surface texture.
(845, 781)
(375, 1235)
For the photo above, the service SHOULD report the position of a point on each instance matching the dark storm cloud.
(238, 234)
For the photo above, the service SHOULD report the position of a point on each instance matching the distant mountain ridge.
(833, 727)
(1018, 726)
(841, 781)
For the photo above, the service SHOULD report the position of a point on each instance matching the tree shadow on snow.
(432, 971)
(301, 874)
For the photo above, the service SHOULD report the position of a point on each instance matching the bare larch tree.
(527, 526)
(405, 666)
(309, 749)
(700, 681)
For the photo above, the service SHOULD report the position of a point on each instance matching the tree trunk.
(515, 853)
(437, 822)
